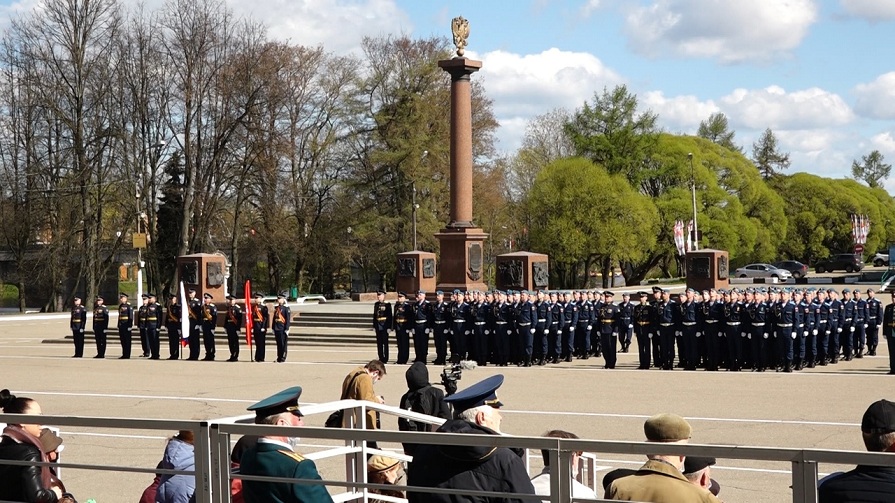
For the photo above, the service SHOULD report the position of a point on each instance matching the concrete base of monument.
(462, 259)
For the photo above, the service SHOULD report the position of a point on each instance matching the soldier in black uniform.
(153, 319)
(874, 317)
(527, 321)
(125, 323)
(569, 322)
(260, 323)
(889, 332)
(554, 339)
(173, 327)
(712, 317)
(823, 327)
(382, 323)
(280, 320)
(232, 324)
(422, 325)
(609, 327)
(688, 352)
(100, 324)
(461, 327)
(140, 320)
(847, 324)
(77, 324)
(209, 318)
(478, 314)
(655, 327)
(802, 329)
(440, 314)
(625, 321)
(835, 323)
(759, 311)
(733, 314)
(668, 319)
(502, 310)
(403, 324)
(542, 329)
(583, 329)
(596, 342)
(858, 340)
(194, 311)
(642, 317)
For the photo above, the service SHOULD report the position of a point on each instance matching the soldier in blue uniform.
(502, 310)
(403, 325)
(874, 318)
(625, 322)
(889, 332)
(527, 323)
(460, 328)
(596, 343)
(823, 327)
(382, 323)
(440, 315)
(480, 312)
(172, 326)
(761, 344)
(77, 324)
(655, 327)
(275, 456)
(232, 324)
(554, 338)
(194, 313)
(100, 324)
(422, 325)
(642, 318)
(667, 327)
(125, 323)
(280, 321)
(733, 314)
(542, 329)
(835, 323)
(209, 321)
(569, 322)
(860, 325)
(804, 321)
(584, 327)
(689, 353)
(153, 319)
(786, 321)
(609, 326)
(712, 316)
(260, 322)
(847, 324)
(140, 320)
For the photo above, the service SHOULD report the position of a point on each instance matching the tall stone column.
(461, 242)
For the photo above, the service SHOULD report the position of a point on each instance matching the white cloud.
(877, 99)
(870, 10)
(728, 31)
(773, 107)
(523, 86)
(885, 143)
(678, 113)
(589, 7)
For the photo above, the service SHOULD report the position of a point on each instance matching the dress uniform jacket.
(658, 482)
(275, 460)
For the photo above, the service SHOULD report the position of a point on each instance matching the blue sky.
(820, 73)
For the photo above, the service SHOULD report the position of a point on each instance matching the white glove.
(765, 335)
(851, 329)
(865, 325)
(615, 334)
(287, 333)
(468, 332)
(838, 330)
(487, 332)
(82, 330)
(263, 330)
(749, 336)
(571, 329)
(546, 331)
(805, 333)
(793, 335)
(590, 327)
(532, 330)
(721, 334)
(744, 334)
(631, 325)
(698, 334)
(650, 336)
(677, 333)
(814, 332)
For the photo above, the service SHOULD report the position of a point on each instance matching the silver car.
(762, 271)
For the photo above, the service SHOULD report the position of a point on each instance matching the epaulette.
(294, 455)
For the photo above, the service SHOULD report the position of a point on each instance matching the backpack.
(416, 401)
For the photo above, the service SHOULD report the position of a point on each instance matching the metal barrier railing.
(212, 452)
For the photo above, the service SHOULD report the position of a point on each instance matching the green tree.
(610, 132)
(586, 217)
(873, 170)
(716, 130)
(766, 156)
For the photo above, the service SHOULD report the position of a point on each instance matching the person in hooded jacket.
(179, 455)
(465, 467)
(421, 397)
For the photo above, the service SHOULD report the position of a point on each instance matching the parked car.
(880, 259)
(796, 268)
(762, 271)
(848, 262)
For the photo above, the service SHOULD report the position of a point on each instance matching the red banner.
(248, 293)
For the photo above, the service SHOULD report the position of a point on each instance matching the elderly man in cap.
(382, 323)
(866, 483)
(274, 456)
(465, 467)
(660, 479)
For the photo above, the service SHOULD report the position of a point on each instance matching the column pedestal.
(416, 271)
(462, 259)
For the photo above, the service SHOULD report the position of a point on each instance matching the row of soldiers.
(758, 329)
(202, 320)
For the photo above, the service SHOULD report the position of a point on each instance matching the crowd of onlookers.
(449, 470)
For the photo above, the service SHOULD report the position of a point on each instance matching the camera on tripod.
(453, 373)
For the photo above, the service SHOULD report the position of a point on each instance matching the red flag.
(248, 290)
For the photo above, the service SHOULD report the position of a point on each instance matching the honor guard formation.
(757, 329)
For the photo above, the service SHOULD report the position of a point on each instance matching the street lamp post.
(413, 202)
(693, 184)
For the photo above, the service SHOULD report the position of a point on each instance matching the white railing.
(212, 450)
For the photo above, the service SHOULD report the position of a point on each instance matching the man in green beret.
(660, 479)
(274, 456)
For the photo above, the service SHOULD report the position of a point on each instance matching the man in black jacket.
(421, 397)
(867, 484)
(466, 467)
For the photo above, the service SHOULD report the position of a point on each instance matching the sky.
(819, 73)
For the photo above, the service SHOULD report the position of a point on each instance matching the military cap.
(207, 296)
(421, 292)
(284, 401)
(439, 292)
(282, 295)
(258, 296)
(380, 463)
(831, 290)
(691, 290)
(498, 292)
(626, 294)
(642, 294)
(607, 293)
(870, 290)
(77, 298)
(722, 291)
(402, 294)
(99, 297)
(879, 417)
(380, 292)
(457, 291)
(481, 393)
(144, 296)
(229, 297)
(122, 295)
(172, 295)
(666, 427)
(151, 295)
(846, 290)
(191, 290)
(657, 289)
